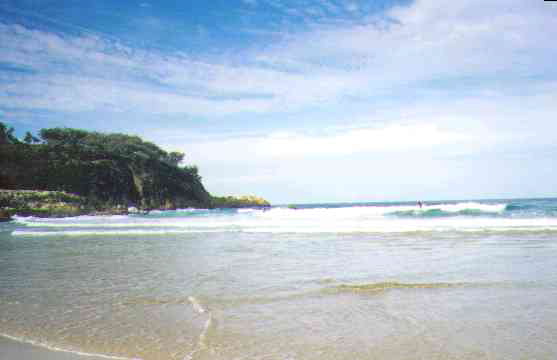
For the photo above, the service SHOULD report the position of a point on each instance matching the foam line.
(196, 306)
(201, 342)
(102, 232)
(55, 348)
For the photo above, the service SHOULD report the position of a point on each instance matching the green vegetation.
(106, 172)
(7, 135)
(238, 201)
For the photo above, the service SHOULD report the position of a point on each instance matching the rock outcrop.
(40, 203)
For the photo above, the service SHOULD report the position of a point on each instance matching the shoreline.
(57, 204)
(21, 349)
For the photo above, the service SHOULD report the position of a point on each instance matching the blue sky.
(303, 100)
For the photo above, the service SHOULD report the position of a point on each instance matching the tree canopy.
(105, 168)
(7, 134)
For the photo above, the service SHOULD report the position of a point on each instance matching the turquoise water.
(450, 280)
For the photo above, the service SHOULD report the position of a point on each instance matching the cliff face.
(160, 186)
(106, 170)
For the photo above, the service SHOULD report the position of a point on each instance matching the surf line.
(55, 348)
(201, 342)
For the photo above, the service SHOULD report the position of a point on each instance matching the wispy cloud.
(423, 42)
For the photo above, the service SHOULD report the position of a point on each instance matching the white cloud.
(403, 152)
(430, 41)
(390, 138)
(340, 143)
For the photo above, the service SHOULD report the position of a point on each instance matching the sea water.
(448, 280)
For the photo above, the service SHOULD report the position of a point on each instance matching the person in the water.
(420, 204)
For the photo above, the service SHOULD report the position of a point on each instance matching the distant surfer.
(420, 204)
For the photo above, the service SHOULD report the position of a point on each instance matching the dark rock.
(5, 215)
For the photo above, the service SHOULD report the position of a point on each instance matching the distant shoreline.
(52, 204)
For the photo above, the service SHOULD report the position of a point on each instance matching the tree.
(174, 158)
(63, 136)
(30, 139)
(7, 134)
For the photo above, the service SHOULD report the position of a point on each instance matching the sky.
(304, 100)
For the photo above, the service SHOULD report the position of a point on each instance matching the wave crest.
(437, 213)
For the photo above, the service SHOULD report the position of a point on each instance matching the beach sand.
(15, 350)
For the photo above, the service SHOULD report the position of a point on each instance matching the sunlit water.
(452, 280)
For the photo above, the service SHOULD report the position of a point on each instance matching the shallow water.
(452, 280)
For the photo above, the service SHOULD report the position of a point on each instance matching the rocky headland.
(70, 172)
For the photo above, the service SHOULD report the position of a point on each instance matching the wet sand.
(15, 350)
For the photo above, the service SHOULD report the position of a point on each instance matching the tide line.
(56, 348)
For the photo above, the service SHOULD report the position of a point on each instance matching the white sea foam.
(98, 218)
(377, 211)
(497, 225)
(357, 219)
(108, 232)
(184, 210)
(56, 348)
(248, 210)
(196, 305)
(201, 342)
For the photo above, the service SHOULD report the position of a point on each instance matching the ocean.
(450, 280)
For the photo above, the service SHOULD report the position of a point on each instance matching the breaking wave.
(383, 218)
